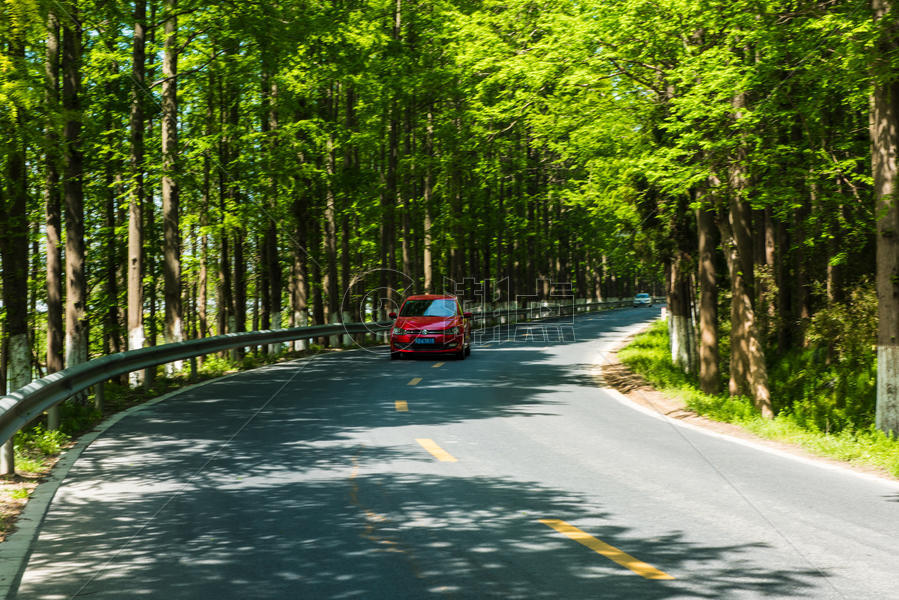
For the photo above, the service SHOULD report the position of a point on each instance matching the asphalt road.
(511, 474)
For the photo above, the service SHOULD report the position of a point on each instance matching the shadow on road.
(229, 492)
(376, 536)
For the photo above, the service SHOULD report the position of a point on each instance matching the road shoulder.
(612, 373)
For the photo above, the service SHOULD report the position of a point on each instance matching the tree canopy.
(253, 165)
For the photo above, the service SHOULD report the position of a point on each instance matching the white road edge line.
(622, 399)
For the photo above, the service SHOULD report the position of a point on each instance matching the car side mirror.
(467, 315)
(391, 315)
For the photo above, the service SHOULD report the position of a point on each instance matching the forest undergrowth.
(824, 394)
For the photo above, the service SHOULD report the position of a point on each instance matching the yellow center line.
(438, 452)
(415, 381)
(611, 552)
(436, 365)
(402, 406)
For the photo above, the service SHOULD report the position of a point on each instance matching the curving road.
(511, 474)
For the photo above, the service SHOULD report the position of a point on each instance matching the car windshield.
(441, 307)
(642, 295)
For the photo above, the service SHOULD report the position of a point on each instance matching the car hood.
(427, 322)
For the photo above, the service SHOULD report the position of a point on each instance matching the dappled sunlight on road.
(320, 491)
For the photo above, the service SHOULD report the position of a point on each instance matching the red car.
(431, 324)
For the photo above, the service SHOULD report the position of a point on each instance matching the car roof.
(430, 297)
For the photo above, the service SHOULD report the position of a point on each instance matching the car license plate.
(424, 340)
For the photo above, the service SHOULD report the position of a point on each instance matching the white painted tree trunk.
(75, 349)
(232, 326)
(887, 414)
(347, 338)
(176, 334)
(884, 127)
(275, 317)
(18, 374)
(136, 342)
(301, 320)
(683, 342)
(335, 339)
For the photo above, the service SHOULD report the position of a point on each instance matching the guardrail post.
(100, 396)
(193, 368)
(334, 340)
(7, 459)
(346, 317)
(53, 418)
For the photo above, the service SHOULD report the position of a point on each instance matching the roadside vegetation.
(824, 406)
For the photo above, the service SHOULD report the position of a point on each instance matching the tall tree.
(73, 189)
(135, 320)
(53, 209)
(14, 241)
(708, 303)
(885, 154)
(171, 217)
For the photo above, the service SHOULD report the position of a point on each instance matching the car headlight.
(451, 331)
(398, 331)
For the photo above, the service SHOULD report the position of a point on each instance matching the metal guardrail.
(20, 407)
(24, 405)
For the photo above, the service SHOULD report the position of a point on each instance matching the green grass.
(19, 494)
(35, 447)
(648, 356)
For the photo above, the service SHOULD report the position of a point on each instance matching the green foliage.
(76, 417)
(649, 356)
(20, 493)
(215, 366)
(803, 422)
(831, 385)
(560, 139)
(41, 441)
(34, 446)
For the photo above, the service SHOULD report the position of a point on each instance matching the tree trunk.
(76, 284)
(388, 206)
(225, 295)
(225, 290)
(236, 319)
(274, 262)
(427, 258)
(135, 323)
(800, 312)
(239, 309)
(263, 289)
(318, 306)
(709, 377)
(748, 371)
(203, 277)
(170, 201)
(299, 291)
(349, 302)
(14, 248)
(680, 315)
(330, 283)
(767, 287)
(53, 213)
(240, 281)
(111, 283)
(884, 119)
